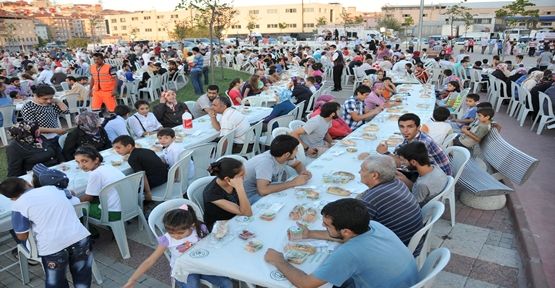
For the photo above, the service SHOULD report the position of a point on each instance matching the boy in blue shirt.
(469, 115)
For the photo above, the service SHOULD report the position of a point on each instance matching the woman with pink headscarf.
(375, 98)
(339, 128)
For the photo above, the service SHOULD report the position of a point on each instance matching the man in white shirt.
(45, 75)
(484, 43)
(204, 102)
(229, 121)
(400, 66)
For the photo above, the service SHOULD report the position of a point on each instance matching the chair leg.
(451, 198)
(534, 123)
(118, 229)
(144, 226)
(522, 115)
(24, 267)
(96, 273)
(3, 136)
(541, 125)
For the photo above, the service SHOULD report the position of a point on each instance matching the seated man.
(409, 124)
(370, 256)
(353, 109)
(431, 180)
(229, 121)
(314, 134)
(265, 173)
(204, 102)
(388, 200)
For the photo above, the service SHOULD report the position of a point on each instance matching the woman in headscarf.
(543, 84)
(502, 73)
(532, 80)
(27, 148)
(169, 111)
(339, 128)
(284, 105)
(88, 131)
(375, 98)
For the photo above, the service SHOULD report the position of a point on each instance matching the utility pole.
(420, 24)
(302, 16)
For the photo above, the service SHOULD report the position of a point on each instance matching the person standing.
(532, 47)
(103, 87)
(338, 64)
(196, 70)
(484, 43)
(471, 45)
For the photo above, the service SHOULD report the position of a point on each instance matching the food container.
(295, 233)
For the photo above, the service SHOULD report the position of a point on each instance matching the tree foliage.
(77, 43)
(408, 21)
(281, 26)
(321, 21)
(459, 13)
(389, 22)
(41, 42)
(188, 29)
(348, 19)
(251, 25)
(519, 8)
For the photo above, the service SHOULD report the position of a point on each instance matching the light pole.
(420, 24)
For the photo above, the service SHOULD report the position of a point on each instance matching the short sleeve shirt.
(428, 186)
(316, 129)
(231, 120)
(202, 103)
(45, 116)
(101, 177)
(478, 129)
(353, 105)
(141, 159)
(262, 167)
(212, 213)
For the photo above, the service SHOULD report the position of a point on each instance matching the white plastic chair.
(545, 113)
(514, 105)
(252, 137)
(178, 179)
(295, 112)
(347, 75)
(234, 156)
(448, 141)
(282, 121)
(32, 253)
(280, 131)
(295, 124)
(254, 101)
(299, 115)
(196, 189)
(191, 105)
(225, 144)
(459, 157)
(128, 192)
(7, 116)
(525, 99)
(435, 263)
(501, 89)
(62, 140)
(150, 89)
(65, 86)
(431, 212)
(202, 156)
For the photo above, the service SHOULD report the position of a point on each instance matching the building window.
(308, 10)
(174, 16)
(122, 20)
(235, 26)
(291, 10)
(291, 25)
(134, 18)
(424, 15)
(546, 24)
(114, 20)
(253, 12)
(115, 28)
(271, 11)
(272, 26)
(123, 27)
(406, 15)
(148, 30)
(548, 13)
(146, 18)
(308, 25)
(160, 17)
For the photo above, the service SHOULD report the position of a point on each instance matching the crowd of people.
(374, 229)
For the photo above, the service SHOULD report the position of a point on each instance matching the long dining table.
(228, 256)
(202, 132)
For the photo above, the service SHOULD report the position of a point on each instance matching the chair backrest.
(7, 115)
(299, 115)
(82, 211)
(65, 86)
(458, 157)
(546, 107)
(225, 144)
(525, 97)
(280, 131)
(129, 189)
(62, 140)
(196, 189)
(282, 121)
(507, 159)
(252, 136)
(295, 124)
(294, 112)
(448, 141)
(202, 156)
(435, 263)
(72, 103)
(178, 174)
(191, 105)
(234, 156)
(431, 212)
(254, 101)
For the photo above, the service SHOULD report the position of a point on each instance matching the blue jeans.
(197, 81)
(193, 281)
(79, 259)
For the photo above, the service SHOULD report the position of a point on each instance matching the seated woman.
(143, 122)
(225, 196)
(284, 105)
(234, 91)
(339, 128)
(100, 176)
(253, 87)
(375, 98)
(87, 132)
(169, 111)
(28, 148)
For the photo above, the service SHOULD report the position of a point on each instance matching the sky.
(165, 5)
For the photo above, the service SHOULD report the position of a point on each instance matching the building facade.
(41, 30)
(17, 32)
(59, 26)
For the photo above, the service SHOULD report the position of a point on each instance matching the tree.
(407, 23)
(519, 8)
(77, 43)
(456, 13)
(389, 23)
(42, 42)
(321, 21)
(208, 10)
(358, 19)
(223, 20)
(468, 20)
(251, 25)
(282, 25)
(180, 30)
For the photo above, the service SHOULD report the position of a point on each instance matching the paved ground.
(483, 243)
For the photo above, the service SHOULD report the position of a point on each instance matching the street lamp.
(420, 24)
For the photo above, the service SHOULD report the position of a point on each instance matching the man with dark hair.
(76, 90)
(314, 135)
(338, 64)
(353, 108)
(409, 124)
(117, 125)
(103, 87)
(371, 255)
(431, 180)
(266, 174)
(230, 121)
(204, 102)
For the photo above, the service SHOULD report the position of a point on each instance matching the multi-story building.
(274, 19)
(17, 32)
(59, 26)
(77, 28)
(41, 30)
(484, 20)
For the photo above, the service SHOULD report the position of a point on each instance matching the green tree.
(358, 19)
(77, 43)
(456, 13)
(180, 31)
(408, 22)
(519, 8)
(389, 22)
(42, 42)
(321, 21)
(251, 25)
(468, 20)
(282, 25)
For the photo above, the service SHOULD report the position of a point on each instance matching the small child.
(449, 96)
(389, 88)
(141, 159)
(183, 230)
(170, 151)
(437, 127)
(143, 123)
(115, 125)
(473, 134)
(318, 81)
(43, 176)
(470, 114)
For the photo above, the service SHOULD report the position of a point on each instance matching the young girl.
(143, 122)
(375, 98)
(234, 91)
(183, 230)
(90, 160)
(451, 96)
(225, 196)
(389, 88)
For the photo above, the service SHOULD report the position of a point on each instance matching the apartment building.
(16, 32)
(59, 26)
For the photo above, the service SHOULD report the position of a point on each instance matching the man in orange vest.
(103, 86)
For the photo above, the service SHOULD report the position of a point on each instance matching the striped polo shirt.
(394, 206)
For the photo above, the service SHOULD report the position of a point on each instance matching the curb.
(529, 251)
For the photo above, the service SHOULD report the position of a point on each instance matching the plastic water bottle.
(187, 120)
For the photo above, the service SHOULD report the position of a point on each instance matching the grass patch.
(184, 94)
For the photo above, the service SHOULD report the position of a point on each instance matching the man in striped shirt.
(388, 200)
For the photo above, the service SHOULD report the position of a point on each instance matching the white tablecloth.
(402, 78)
(202, 132)
(228, 257)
